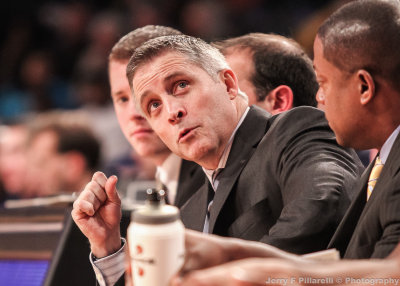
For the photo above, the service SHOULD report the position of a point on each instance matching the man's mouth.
(185, 134)
(141, 131)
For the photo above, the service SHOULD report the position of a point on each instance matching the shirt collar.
(211, 174)
(387, 146)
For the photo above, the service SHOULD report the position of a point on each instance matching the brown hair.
(277, 61)
(125, 47)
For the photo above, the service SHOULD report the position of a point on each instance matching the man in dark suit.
(271, 186)
(357, 64)
(282, 180)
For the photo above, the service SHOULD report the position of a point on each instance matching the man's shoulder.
(298, 121)
(302, 114)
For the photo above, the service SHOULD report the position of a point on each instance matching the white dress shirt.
(212, 175)
(110, 268)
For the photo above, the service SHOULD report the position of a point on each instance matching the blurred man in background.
(13, 165)
(274, 71)
(62, 154)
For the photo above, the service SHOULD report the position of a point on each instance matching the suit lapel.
(193, 212)
(191, 177)
(245, 143)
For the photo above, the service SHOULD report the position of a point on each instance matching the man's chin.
(195, 155)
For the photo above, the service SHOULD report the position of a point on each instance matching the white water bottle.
(156, 241)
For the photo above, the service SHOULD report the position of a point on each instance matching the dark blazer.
(286, 183)
(372, 230)
(191, 178)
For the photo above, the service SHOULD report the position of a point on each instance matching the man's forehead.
(165, 56)
(159, 68)
(162, 67)
(318, 51)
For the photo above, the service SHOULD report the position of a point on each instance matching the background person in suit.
(269, 175)
(182, 178)
(274, 71)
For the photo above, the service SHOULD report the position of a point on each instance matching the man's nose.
(320, 97)
(135, 113)
(176, 112)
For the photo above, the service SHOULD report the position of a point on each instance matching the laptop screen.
(43, 246)
(17, 272)
(28, 239)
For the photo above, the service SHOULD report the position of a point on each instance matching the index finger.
(100, 178)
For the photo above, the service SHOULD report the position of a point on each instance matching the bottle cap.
(155, 211)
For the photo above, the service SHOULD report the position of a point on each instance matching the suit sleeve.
(317, 179)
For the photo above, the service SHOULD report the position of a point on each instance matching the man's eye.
(182, 84)
(123, 99)
(120, 99)
(153, 106)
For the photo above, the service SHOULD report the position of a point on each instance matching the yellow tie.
(373, 177)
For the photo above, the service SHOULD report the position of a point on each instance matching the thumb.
(111, 189)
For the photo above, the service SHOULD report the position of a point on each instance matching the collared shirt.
(387, 146)
(212, 175)
(168, 174)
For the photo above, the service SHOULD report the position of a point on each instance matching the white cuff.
(110, 268)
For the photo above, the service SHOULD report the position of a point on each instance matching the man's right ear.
(229, 78)
(279, 99)
(366, 86)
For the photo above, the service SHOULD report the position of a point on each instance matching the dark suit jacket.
(372, 230)
(191, 178)
(286, 183)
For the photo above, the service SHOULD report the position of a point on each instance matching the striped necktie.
(373, 177)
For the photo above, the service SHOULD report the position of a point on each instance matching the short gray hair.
(196, 50)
